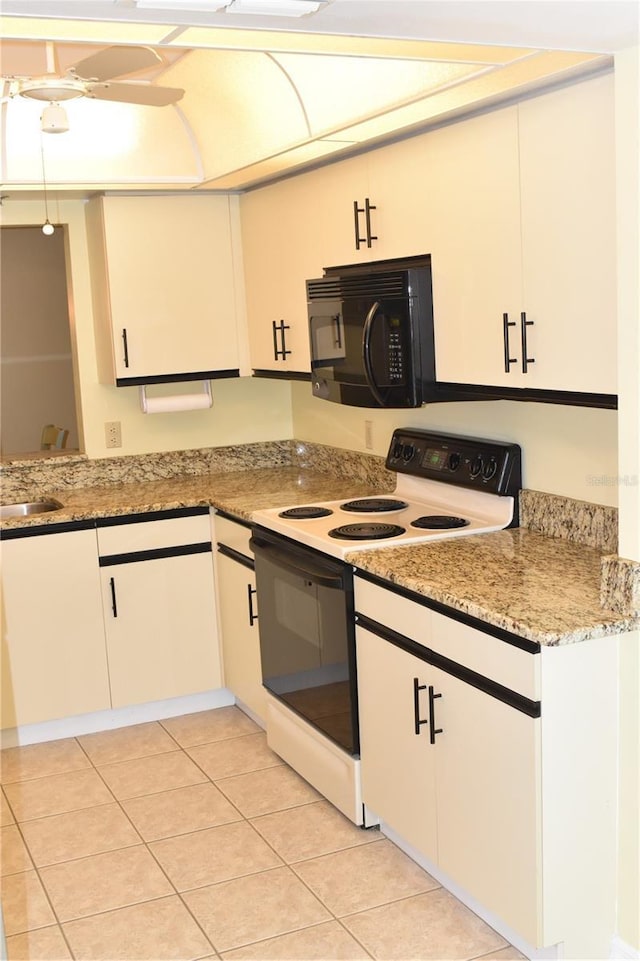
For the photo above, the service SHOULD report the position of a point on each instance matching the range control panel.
(489, 465)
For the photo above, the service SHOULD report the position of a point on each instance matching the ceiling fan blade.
(143, 94)
(116, 62)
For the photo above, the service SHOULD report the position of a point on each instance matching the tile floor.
(190, 839)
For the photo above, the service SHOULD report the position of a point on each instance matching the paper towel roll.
(176, 402)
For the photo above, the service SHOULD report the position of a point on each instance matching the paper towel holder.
(146, 403)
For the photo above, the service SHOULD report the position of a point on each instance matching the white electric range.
(446, 487)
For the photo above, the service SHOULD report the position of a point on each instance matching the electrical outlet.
(368, 434)
(113, 433)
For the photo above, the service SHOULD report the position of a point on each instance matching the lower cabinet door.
(240, 639)
(397, 760)
(54, 662)
(160, 620)
(488, 801)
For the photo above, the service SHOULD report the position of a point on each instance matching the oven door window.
(304, 645)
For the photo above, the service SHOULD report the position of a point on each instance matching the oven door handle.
(317, 575)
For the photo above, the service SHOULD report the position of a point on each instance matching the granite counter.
(542, 588)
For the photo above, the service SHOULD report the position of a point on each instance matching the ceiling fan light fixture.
(275, 8)
(52, 91)
(54, 119)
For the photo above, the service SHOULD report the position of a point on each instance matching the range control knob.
(397, 450)
(408, 452)
(477, 465)
(453, 462)
(490, 468)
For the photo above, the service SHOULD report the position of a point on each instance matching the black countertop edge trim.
(234, 555)
(465, 674)
(522, 643)
(445, 391)
(134, 557)
(176, 378)
(142, 518)
(233, 517)
(65, 527)
(282, 374)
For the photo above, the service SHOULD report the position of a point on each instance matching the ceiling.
(267, 95)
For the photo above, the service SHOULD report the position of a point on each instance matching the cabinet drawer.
(152, 535)
(233, 535)
(489, 656)
(399, 613)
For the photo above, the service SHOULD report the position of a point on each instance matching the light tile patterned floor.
(190, 839)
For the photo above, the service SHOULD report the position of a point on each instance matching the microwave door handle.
(314, 574)
(366, 353)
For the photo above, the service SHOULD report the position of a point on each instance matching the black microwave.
(371, 333)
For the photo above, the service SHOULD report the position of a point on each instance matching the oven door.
(307, 644)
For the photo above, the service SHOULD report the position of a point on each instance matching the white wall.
(244, 409)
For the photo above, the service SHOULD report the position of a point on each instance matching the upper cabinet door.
(281, 250)
(567, 173)
(472, 203)
(164, 286)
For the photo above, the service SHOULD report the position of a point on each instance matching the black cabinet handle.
(526, 360)
(279, 352)
(368, 207)
(417, 720)
(114, 606)
(508, 361)
(356, 217)
(125, 346)
(253, 617)
(433, 730)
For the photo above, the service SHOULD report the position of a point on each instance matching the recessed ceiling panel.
(340, 90)
(241, 107)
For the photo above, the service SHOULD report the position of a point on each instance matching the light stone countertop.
(238, 492)
(541, 588)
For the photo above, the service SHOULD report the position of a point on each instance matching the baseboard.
(117, 717)
(621, 951)
(534, 954)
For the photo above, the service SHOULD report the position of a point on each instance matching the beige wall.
(244, 409)
(37, 373)
(566, 450)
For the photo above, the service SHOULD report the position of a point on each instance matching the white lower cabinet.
(238, 614)
(159, 606)
(494, 761)
(54, 662)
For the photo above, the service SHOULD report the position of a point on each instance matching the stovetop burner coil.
(366, 532)
(306, 512)
(375, 505)
(439, 522)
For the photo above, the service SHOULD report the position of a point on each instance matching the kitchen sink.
(28, 508)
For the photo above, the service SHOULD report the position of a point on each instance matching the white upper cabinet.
(166, 286)
(472, 189)
(567, 186)
(280, 252)
(524, 250)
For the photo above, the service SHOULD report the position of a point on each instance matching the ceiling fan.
(93, 77)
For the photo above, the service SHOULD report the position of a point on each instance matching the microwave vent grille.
(393, 284)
